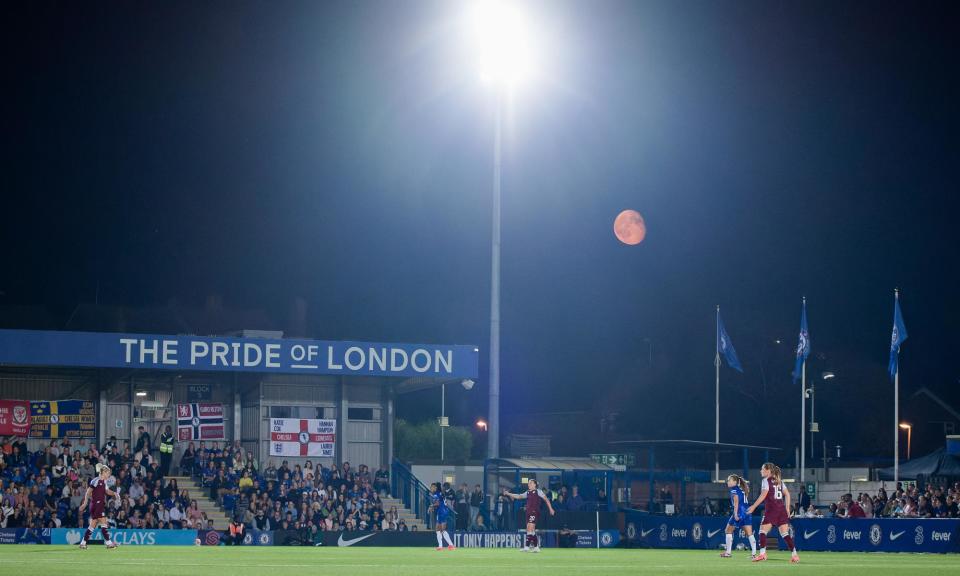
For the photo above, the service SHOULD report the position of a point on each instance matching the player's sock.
(87, 535)
(789, 540)
(528, 542)
(106, 535)
(763, 543)
(439, 539)
(729, 540)
(753, 544)
(536, 540)
(446, 536)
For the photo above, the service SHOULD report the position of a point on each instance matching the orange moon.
(629, 227)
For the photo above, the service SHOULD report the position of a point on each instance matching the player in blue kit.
(439, 504)
(739, 519)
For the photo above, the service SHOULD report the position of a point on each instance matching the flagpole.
(716, 365)
(896, 424)
(896, 406)
(803, 412)
(803, 420)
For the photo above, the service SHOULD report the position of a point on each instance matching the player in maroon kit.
(776, 501)
(535, 497)
(96, 497)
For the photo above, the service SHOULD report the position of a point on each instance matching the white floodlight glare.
(503, 43)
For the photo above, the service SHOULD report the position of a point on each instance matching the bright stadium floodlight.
(503, 43)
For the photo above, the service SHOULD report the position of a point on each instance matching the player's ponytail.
(100, 467)
(741, 482)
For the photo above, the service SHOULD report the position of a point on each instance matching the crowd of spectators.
(309, 499)
(44, 489)
(932, 501)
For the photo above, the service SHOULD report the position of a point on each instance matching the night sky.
(159, 152)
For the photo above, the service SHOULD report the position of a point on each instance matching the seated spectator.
(854, 510)
(188, 460)
(246, 482)
(909, 508)
(479, 525)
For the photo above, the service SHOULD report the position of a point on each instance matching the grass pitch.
(20, 560)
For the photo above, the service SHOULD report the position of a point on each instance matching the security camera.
(467, 384)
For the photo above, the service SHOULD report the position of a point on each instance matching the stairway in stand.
(221, 520)
(408, 517)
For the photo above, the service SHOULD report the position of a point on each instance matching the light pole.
(504, 58)
(814, 425)
(909, 429)
(443, 420)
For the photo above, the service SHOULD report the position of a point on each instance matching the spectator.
(854, 510)
(463, 507)
(803, 499)
(866, 503)
(909, 508)
(601, 500)
(235, 532)
(143, 440)
(575, 502)
(478, 524)
(477, 500)
(560, 500)
(188, 460)
(381, 481)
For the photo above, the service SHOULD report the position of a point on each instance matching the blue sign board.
(24, 536)
(499, 539)
(676, 531)
(815, 534)
(588, 538)
(880, 535)
(228, 354)
(131, 537)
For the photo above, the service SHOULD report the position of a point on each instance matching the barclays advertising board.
(129, 537)
(227, 354)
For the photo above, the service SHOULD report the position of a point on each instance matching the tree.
(421, 441)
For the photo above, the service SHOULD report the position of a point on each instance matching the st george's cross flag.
(303, 437)
(200, 422)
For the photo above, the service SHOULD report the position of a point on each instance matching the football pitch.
(223, 561)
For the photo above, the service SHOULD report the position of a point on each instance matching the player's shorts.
(96, 510)
(533, 517)
(442, 517)
(775, 518)
(745, 520)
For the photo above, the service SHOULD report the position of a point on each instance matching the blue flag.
(899, 335)
(725, 346)
(803, 346)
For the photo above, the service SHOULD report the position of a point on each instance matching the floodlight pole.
(493, 420)
(716, 437)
